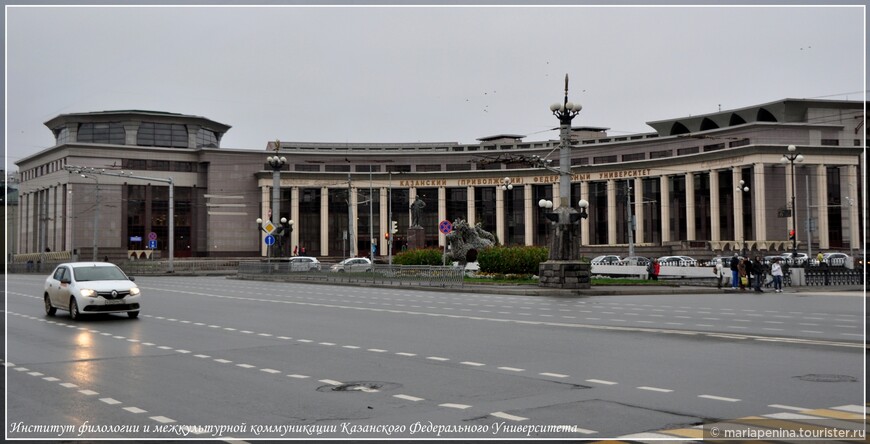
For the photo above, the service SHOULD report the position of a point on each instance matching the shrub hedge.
(419, 256)
(512, 260)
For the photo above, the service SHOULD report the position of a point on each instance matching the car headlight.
(88, 293)
(134, 291)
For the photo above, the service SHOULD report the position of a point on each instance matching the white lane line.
(789, 416)
(88, 392)
(406, 354)
(68, 385)
(352, 347)
(183, 351)
(601, 381)
(135, 410)
(330, 382)
(554, 375)
(162, 419)
(655, 389)
(326, 343)
(850, 408)
(229, 329)
(408, 398)
(222, 361)
(284, 337)
(270, 370)
(304, 340)
(455, 406)
(718, 398)
(202, 356)
(110, 401)
(163, 347)
(509, 417)
(472, 363)
(377, 350)
(264, 334)
(585, 431)
(245, 365)
(295, 376)
(437, 358)
(36, 374)
(512, 369)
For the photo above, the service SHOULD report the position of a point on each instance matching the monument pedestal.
(565, 274)
(416, 238)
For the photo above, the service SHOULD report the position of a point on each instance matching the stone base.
(416, 238)
(565, 274)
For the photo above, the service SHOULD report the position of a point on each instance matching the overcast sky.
(418, 74)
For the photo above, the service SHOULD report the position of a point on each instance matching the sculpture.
(465, 238)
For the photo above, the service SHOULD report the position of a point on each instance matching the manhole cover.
(826, 378)
(363, 386)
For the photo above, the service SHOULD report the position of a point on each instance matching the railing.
(816, 276)
(161, 267)
(397, 275)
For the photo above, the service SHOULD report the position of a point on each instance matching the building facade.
(680, 184)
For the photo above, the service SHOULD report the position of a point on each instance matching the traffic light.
(387, 236)
(394, 227)
(791, 235)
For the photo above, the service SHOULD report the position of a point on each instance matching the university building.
(681, 182)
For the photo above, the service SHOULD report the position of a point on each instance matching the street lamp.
(284, 232)
(276, 163)
(743, 187)
(506, 184)
(565, 113)
(792, 157)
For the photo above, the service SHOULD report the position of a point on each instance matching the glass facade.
(109, 133)
(514, 211)
(168, 135)
(308, 225)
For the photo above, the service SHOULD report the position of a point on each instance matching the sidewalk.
(623, 290)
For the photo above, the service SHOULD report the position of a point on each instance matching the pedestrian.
(719, 270)
(820, 259)
(743, 274)
(657, 268)
(649, 271)
(776, 271)
(106, 258)
(302, 251)
(295, 250)
(735, 272)
(758, 273)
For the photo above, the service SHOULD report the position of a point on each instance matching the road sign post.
(445, 227)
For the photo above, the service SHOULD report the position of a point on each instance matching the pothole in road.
(826, 378)
(362, 386)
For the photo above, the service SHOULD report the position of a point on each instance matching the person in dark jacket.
(735, 274)
(758, 273)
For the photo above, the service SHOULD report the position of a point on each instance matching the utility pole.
(629, 216)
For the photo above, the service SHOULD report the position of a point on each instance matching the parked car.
(352, 265)
(769, 259)
(606, 260)
(304, 263)
(726, 261)
(90, 287)
(636, 260)
(801, 258)
(678, 261)
(838, 260)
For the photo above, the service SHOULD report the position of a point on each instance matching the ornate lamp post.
(284, 232)
(565, 113)
(792, 157)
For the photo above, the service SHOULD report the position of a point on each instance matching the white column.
(611, 212)
(499, 214)
(691, 234)
(639, 207)
(383, 213)
(738, 208)
(528, 220)
(715, 227)
(852, 207)
(759, 210)
(324, 222)
(584, 223)
(354, 199)
(556, 196)
(294, 215)
(821, 199)
(665, 208)
(442, 214)
(470, 217)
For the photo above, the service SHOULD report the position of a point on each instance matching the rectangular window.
(158, 165)
(604, 159)
(741, 142)
(458, 167)
(684, 151)
(714, 147)
(660, 154)
(633, 156)
(338, 168)
(399, 168)
(580, 161)
(305, 167)
(425, 168)
(831, 142)
(184, 167)
(365, 168)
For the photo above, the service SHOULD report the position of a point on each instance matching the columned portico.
(639, 209)
(611, 212)
(715, 225)
(758, 191)
(821, 202)
(739, 235)
(324, 219)
(690, 206)
(471, 207)
(499, 214)
(528, 220)
(584, 222)
(665, 208)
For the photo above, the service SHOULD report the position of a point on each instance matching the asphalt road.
(218, 358)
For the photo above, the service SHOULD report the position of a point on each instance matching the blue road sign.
(152, 244)
(269, 240)
(445, 226)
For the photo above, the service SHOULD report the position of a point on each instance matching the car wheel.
(133, 314)
(49, 309)
(73, 309)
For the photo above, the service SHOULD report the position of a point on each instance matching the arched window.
(708, 124)
(765, 116)
(679, 128)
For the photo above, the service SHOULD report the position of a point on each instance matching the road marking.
(36, 374)
(222, 361)
(304, 340)
(377, 350)
(655, 389)
(406, 354)
(437, 358)
(504, 415)
(512, 369)
(455, 406)
(110, 401)
(202, 356)
(284, 337)
(162, 419)
(163, 347)
(554, 375)
(245, 365)
(718, 398)
(409, 398)
(183, 351)
(264, 334)
(850, 408)
(135, 410)
(229, 329)
(88, 392)
(51, 379)
(298, 376)
(600, 381)
(471, 363)
(68, 385)
(330, 382)
(787, 407)
(270, 370)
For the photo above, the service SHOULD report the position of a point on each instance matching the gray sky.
(418, 74)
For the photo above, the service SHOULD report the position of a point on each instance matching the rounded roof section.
(136, 115)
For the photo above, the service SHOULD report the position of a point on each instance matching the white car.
(606, 260)
(352, 265)
(678, 261)
(90, 287)
(304, 263)
(801, 258)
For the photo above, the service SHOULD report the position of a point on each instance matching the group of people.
(750, 273)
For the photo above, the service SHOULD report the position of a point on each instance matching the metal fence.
(816, 276)
(187, 266)
(397, 275)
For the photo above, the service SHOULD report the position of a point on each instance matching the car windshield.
(92, 273)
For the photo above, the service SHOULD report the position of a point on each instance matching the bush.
(512, 260)
(419, 256)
